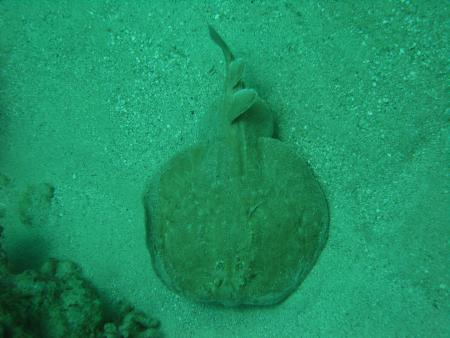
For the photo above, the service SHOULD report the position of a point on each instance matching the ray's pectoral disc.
(239, 219)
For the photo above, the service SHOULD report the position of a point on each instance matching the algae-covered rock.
(4, 198)
(34, 204)
(63, 302)
(131, 325)
(57, 302)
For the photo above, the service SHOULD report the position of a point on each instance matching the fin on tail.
(234, 67)
(241, 99)
(229, 57)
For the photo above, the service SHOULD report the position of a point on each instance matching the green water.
(95, 96)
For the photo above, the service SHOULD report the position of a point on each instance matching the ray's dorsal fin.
(241, 99)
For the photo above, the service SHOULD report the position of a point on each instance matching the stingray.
(239, 218)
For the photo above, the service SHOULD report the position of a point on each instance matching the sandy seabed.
(96, 96)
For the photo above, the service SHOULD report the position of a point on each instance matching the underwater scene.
(224, 168)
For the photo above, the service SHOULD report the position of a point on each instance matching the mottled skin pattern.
(239, 219)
